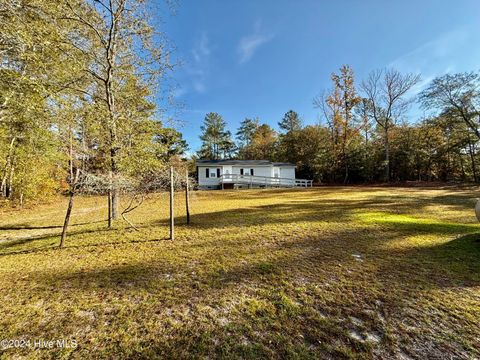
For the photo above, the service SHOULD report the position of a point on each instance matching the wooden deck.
(233, 180)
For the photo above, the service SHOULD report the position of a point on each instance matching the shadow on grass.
(294, 211)
(457, 197)
(33, 227)
(187, 275)
(323, 263)
(215, 269)
(7, 243)
(447, 264)
(330, 210)
(454, 263)
(55, 245)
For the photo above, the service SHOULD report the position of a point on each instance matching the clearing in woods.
(330, 272)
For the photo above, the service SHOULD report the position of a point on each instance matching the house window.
(251, 172)
(213, 173)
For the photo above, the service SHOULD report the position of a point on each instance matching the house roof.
(243, 162)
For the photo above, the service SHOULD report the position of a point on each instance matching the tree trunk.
(67, 219)
(115, 203)
(471, 148)
(462, 167)
(8, 164)
(70, 206)
(187, 197)
(172, 221)
(387, 156)
(345, 136)
(111, 53)
(3, 184)
(344, 155)
(345, 179)
(115, 196)
(109, 208)
(448, 171)
(9, 190)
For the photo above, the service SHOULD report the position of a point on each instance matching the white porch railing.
(264, 180)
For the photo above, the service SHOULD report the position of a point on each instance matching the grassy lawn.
(319, 273)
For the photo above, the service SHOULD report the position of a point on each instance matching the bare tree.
(386, 90)
(457, 94)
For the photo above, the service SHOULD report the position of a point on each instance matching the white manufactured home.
(232, 174)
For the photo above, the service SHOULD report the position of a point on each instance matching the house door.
(276, 175)
(227, 173)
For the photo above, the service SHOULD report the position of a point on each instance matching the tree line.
(78, 80)
(77, 86)
(366, 133)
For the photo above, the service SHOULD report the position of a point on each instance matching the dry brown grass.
(318, 273)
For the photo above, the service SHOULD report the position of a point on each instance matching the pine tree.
(264, 144)
(247, 130)
(290, 122)
(245, 134)
(289, 146)
(216, 140)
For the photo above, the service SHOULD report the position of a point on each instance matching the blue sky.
(263, 57)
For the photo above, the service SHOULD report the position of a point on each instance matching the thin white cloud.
(198, 69)
(434, 58)
(196, 111)
(439, 56)
(199, 86)
(201, 50)
(422, 84)
(179, 92)
(249, 44)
